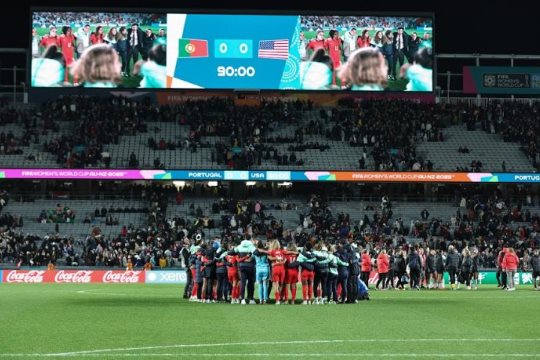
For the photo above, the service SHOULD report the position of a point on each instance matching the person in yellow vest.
(148, 265)
(51, 266)
(162, 261)
(129, 266)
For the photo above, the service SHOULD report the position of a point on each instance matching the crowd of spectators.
(484, 219)
(314, 22)
(61, 214)
(387, 132)
(79, 19)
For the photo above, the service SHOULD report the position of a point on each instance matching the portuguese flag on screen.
(188, 48)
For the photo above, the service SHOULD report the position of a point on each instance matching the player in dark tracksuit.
(439, 268)
(501, 274)
(184, 253)
(209, 273)
(452, 265)
(391, 271)
(196, 264)
(474, 270)
(354, 271)
(431, 270)
(246, 266)
(400, 269)
(221, 275)
(535, 265)
(343, 272)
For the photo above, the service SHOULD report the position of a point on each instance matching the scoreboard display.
(233, 51)
(241, 51)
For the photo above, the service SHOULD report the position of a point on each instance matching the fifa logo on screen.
(489, 80)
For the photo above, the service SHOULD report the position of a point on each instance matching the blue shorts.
(262, 274)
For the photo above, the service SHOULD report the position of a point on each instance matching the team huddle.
(329, 274)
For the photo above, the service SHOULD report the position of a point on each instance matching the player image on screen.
(236, 51)
(404, 42)
(138, 39)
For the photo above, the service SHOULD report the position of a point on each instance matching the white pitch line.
(292, 342)
(325, 355)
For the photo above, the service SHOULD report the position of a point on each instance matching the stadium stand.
(160, 221)
(371, 135)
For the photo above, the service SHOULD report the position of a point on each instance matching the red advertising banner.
(74, 276)
(402, 176)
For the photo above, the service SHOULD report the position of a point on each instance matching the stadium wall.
(175, 97)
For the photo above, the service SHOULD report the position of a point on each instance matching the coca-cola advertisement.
(70, 276)
(73, 276)
(25, 276)
(122, 276)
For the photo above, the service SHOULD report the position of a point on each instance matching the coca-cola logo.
(83, 276)
(121, 277)
(32, 276)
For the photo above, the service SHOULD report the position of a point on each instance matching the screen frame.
(230, 11)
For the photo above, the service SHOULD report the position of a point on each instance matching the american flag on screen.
(274, 49)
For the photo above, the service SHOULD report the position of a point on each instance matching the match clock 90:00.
(232, 71)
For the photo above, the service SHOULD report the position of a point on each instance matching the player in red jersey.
(291, 273)
(66, 41)
(50, 39)
(278, 258)
(317, 43)
(232, 274)
(97, 37)
(334, 44)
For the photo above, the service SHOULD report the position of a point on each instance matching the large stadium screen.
(226, 51)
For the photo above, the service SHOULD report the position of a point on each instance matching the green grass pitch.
(67, 321)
